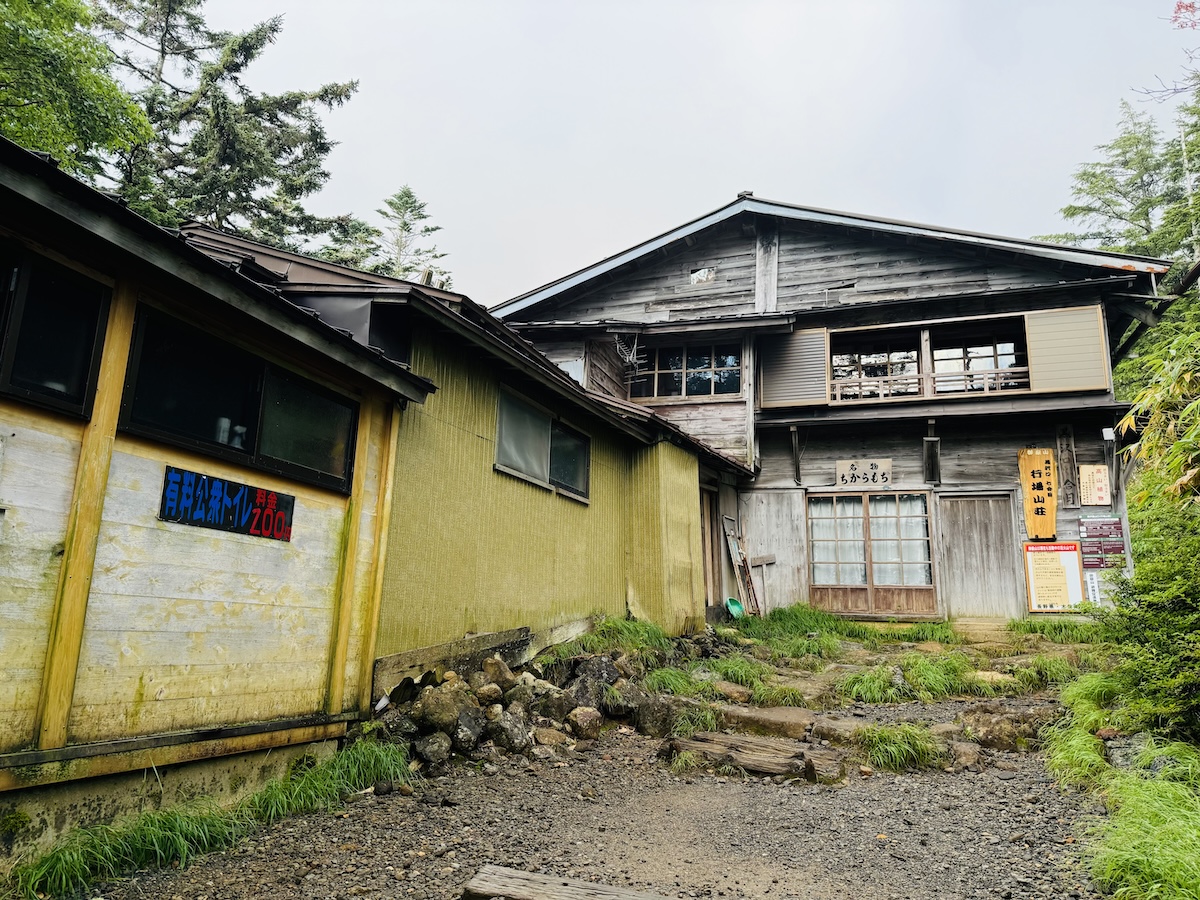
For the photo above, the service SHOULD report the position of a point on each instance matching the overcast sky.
(547, 135)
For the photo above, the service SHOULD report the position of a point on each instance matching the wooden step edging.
(491, 882)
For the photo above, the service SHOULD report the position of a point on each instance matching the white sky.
(545, 135)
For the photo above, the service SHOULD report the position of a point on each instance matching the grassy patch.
(1058, 629)
(776, 695)
(899, 748)
(642, 639)
(740, 669)
(685, 762)
(681, 683)
(175, 836)
(921, 677)
(693, 720)
(1044, 671)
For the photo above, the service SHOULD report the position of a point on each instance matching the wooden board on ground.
(497, 881)
(764, 755)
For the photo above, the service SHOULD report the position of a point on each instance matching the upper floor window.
(190, 388)
(52, 322)
(960, 358)
(694, 370)
(531, 443)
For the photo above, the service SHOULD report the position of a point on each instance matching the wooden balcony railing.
(929, 384)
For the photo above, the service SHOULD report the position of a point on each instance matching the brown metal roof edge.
(389, 374)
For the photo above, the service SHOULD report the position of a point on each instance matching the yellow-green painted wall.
(473, 550)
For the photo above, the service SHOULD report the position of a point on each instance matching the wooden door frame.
(711, 548)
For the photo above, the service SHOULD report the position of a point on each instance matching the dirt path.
(616, 815)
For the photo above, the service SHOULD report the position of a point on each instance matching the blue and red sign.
(204, 501)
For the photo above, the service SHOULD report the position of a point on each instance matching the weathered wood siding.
(606, 370)
(471, 549)
(38, 456)
(823, 268)
(722, 424)
(980, 572)
(1067, 349)
(188, 627)
(773, 522)
(567, 355)
(661, 291)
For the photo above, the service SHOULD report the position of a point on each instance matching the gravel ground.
(616, 815)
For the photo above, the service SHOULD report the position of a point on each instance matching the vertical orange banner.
(1039, 489)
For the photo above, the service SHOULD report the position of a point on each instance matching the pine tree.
(221, 153)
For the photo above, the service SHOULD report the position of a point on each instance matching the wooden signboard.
(1039, 489)
(1094, 487)
(1054, 576)
(867, 473)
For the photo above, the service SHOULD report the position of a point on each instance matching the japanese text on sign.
(1054, 576)
(204, 501)
(1039, 489)
(864, 472)
(1094, 488)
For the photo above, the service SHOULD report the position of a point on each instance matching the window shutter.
(1067, 350)
(794, 369)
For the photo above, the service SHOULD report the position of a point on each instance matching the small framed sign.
(204, 501)
(866, 473)
(1094, 487)
(1054, 575)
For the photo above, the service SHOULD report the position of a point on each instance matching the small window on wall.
(52, 324)
(195, 390)
(529, 442)
(694, 370)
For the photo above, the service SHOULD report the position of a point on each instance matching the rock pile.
(537, 711)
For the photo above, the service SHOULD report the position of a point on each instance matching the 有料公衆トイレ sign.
(206, 501)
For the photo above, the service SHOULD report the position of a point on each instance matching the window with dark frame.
(52, 322)
(190, 388)
(692, 370)
(530, 442)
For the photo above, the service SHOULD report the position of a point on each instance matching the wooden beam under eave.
(343, 610)
(83, 526)
(1143, 314)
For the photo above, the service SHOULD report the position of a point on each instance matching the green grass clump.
(681, 683)
(1074, 755)
(776, 695)
(693, 720)
(1172, 761)
(643, 639)
(687, 761)
(921, 632)
(924, 678)
(175, 836)
(823, 646)
(1044, 671)
(740, 669)
(1058, 629)
(899, 748)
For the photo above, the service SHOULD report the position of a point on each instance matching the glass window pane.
(822, 529)
(848, 507)
(886, 573)
(53, 350)
(820, 507)
(852, 551)
(569, 460)
(824, 551)
(849, 529)
(670, 358)
(884, 527)
(852, 574)
(912, 504)
(911, 527)
(727, 355)
(699, 358)
(917, 574)
(699, 384)
(641, 386)
(883, 505)
(670, 384)
(727, 381)
(915, 551)
(306, 427)
(885, 551)
(825, 574)
(523, 438)
(193, 385)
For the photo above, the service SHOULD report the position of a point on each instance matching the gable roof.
(747, 203)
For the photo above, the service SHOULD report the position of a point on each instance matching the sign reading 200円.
(204, 501)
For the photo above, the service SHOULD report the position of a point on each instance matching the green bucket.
(734, 608)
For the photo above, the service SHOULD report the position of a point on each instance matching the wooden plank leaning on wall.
(83, 525)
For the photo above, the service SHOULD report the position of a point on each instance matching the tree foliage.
(56, 93)
(400, 249)
(221, 153)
